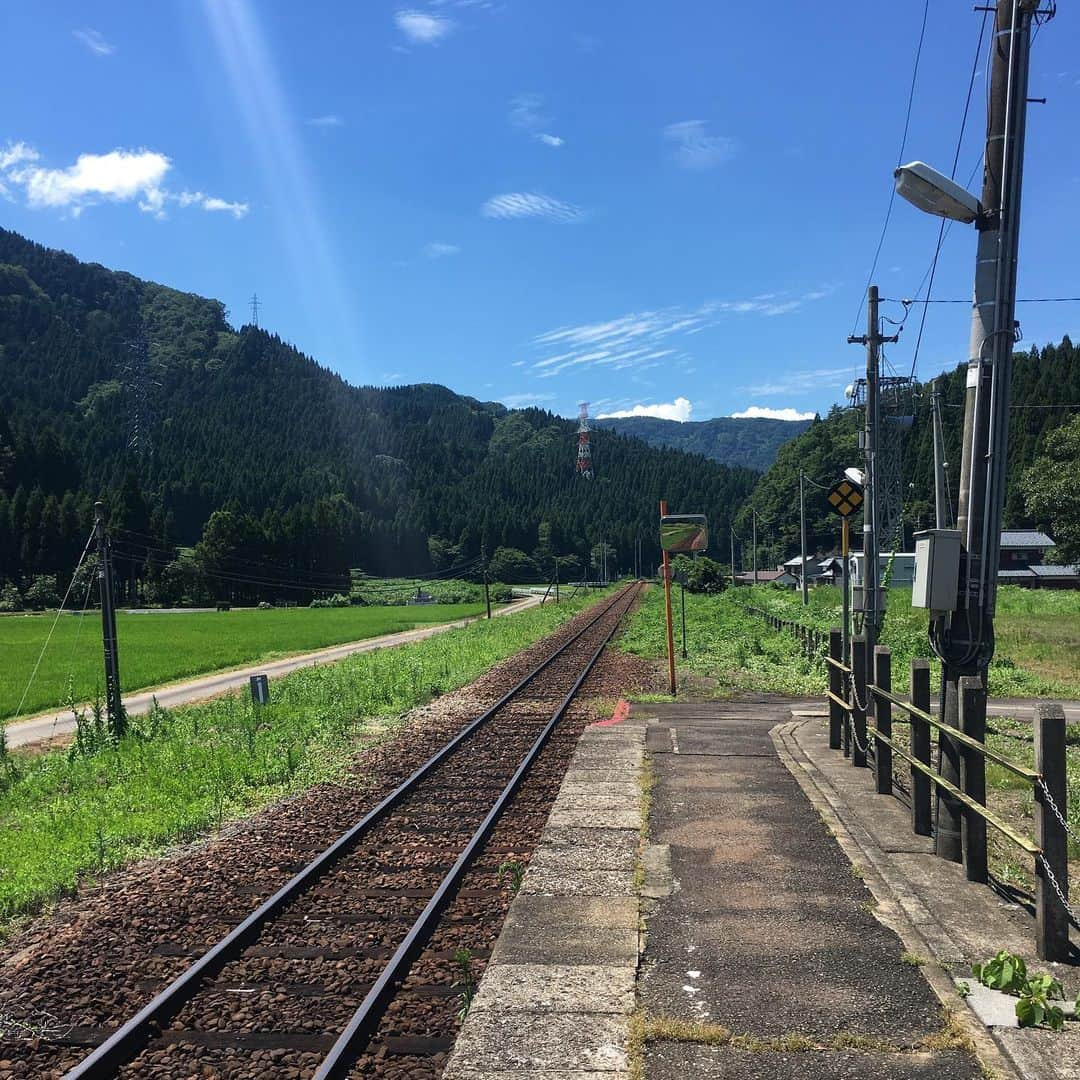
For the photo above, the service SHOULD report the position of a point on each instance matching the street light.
(933, 193)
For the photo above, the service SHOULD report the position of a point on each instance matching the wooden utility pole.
(114, 705)
(667, 608)
(964, 639)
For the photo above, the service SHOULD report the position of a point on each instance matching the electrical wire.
(1031, 300)
(56, 619)
(899, 162)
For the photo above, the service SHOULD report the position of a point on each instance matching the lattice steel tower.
(584, 450)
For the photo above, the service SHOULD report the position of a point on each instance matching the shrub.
(10, 600)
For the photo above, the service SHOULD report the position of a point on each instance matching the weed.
(465, 981)
(912, 959)
(515, 871)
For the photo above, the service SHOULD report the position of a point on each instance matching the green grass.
(1038, 640)
(159, 648)
(66, 815)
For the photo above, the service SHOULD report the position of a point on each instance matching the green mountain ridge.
(750, 442)
(299, 474)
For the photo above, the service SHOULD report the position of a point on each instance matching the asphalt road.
(47, 726)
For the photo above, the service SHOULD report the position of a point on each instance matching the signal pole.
(114, 706)
(873, 339)
(965, 639)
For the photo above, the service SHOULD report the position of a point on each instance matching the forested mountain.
(1045, 393)
(278, 470)
(752, 443)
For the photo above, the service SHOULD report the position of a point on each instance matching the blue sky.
(671, 206)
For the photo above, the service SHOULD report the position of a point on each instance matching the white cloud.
(328, 121)
(527, 113)
(522, 401)
(95, 41)
(440, 251)
(694, 148)
(795, 382)
(423, 28)
(118, 176)
(759, 412)
(525, 204)
(679, 410)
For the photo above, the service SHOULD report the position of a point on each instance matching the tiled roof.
(1014, 575)
(1025, 538)
(1055, 571)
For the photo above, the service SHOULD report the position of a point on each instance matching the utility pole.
(732, 531)
(667, 611)
(802, 536)
(114, 706)
(965, 639)
(873, 339)
(753, 518)
(942, 503)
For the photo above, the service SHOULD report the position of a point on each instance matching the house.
(831, 570)
(902, 575)
(793, 567)
(1022, 549)
(767, 577)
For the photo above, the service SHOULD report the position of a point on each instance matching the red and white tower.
(584, 451)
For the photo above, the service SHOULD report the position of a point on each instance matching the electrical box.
(937, 569)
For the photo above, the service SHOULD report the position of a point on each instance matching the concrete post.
(1051, 916)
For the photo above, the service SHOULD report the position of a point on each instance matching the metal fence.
(861, 705)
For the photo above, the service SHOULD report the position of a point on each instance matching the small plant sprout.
(465, 981)
(515, 871)
(963, 988)
(1037, 993)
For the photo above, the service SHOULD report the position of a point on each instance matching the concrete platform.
(557, 997)
(949, 920)
(764, 929)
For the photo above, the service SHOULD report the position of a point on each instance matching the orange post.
(667, 605)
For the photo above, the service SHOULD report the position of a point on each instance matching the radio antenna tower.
(584, 450)
(255, 309)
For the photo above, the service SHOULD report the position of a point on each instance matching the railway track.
(360, 963)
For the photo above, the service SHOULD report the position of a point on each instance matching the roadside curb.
(895, 901)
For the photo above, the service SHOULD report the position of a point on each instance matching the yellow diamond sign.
(845, 498)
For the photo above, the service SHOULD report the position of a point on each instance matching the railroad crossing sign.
(845, 498)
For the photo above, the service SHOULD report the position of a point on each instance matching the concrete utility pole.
(114, 706)
(942, 504)
(965, 639)
(873, 339)
(753, 518)
(732, 531)
(802, 536)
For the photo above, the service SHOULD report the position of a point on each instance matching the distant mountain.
(232, 439)
(752, 444)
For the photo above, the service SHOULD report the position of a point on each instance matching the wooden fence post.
(920, 748)
(973, 776)
(883, 720)
(1051, 915)
(836, 686)
(858, 699)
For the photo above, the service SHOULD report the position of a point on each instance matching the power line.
(899, 162)
(909, 302)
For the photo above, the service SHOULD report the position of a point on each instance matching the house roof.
(1025, 538)
(764, 575)
(1056, 571)
(1014, 575)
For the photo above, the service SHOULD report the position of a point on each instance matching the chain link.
(863, 707)
(1050, 876)
(1041, 784)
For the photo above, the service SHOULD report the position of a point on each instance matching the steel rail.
(129, 1039)
(365, 1020)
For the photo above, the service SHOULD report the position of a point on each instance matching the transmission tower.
(254, 309)
(584, 450)
(896, 412)
(139, 383)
